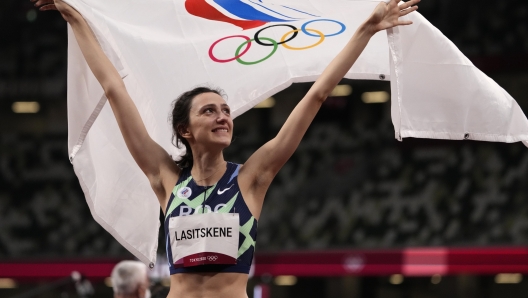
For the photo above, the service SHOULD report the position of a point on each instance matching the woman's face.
(210, 120)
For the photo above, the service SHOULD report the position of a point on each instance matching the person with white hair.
(130, 280)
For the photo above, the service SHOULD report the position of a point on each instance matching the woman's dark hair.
(179, 118)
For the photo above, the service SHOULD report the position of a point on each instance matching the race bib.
(201, 239)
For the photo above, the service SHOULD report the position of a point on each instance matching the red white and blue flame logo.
(245, 14)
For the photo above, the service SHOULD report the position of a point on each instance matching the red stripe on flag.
(202, 9)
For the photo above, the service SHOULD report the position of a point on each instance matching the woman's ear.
(184, 132)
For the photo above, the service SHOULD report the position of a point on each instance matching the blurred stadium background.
(354, 213)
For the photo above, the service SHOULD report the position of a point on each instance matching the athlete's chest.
(194, 199)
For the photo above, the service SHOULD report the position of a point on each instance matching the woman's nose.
(221, 118)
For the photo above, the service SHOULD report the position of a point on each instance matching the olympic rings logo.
(212, 258)
(268, 42)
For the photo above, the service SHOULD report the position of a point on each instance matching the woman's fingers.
(409, 4)
(39, 3)
(43, 2)
(48, 7)
(45, 5)
(404, 23)
(408, 11)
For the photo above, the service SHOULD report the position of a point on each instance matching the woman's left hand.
(44, 5)
(387, 15)
(67, 12)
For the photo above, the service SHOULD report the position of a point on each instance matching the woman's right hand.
(67, 12)
(387, 15)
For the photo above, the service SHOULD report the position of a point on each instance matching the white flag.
(252, 49)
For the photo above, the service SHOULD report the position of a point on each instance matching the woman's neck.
(208, 168)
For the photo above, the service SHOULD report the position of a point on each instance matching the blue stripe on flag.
(300, 11)
(245, 11)
(272, 10)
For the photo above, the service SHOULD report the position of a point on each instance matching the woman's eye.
(227, 111)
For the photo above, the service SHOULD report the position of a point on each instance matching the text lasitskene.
(203, 233)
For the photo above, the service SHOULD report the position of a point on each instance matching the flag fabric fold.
(442, 95)
(252, 49)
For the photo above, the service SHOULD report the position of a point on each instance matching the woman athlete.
(202, 182)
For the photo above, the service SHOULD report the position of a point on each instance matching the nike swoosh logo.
(222, 191)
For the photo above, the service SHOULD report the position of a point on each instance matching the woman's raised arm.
(263, 165)
(153, 160)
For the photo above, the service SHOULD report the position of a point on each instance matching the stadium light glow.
(508, 278)
(266, 104)
(375, 97)
(31, 15)
(25, 107)
(7, 283)
(436, 279)
(285, 280)
(341, 90)
(396, 279)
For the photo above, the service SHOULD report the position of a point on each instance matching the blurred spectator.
(130, 280)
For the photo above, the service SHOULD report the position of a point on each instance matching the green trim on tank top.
(249, 241)
(177, 201)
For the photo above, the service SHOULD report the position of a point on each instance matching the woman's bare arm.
(264, 164)
(153, 160)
